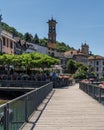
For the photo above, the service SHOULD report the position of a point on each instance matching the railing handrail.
(34, 97)
(24, 95)
(94, 91)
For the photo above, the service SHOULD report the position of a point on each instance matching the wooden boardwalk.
(69, 109)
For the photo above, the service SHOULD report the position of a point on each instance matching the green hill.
(60, 46)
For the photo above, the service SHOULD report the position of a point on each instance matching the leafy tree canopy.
(78, 70)
(30, 60)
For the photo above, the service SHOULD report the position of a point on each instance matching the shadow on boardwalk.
(37, 114)
(68, 109)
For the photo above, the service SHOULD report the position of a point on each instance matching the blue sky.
(79, 21)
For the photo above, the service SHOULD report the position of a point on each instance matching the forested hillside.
(61, 46)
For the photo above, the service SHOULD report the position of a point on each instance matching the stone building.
(80, 55)
(85, 49)
(97, 62)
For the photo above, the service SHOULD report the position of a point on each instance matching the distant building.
(6, 41)
(20, 46)
(85, 49)
(32, 47)
(97, 62)
(79, 55)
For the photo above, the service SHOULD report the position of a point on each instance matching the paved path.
(69, 109)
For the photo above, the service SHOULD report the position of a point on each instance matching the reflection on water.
(2, 101)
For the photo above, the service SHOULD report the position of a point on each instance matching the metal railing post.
(26, 109)
(99, 94)
(93, 91)
(5, 118)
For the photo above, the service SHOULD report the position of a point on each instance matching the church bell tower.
(85, 48)
(52, 33)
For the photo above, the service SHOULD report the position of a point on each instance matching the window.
(11, 44)
(97, 63)
(4, 41)
(97, 69)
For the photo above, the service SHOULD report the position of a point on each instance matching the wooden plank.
(70, 109)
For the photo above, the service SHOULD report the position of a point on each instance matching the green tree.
(43, 60)
(62, 47)
(28, 37)
(90, 68)
(6, 60)
(36, 39)
(71, 66)
(81, 71)
(43, 42)
(82, 66)
(80, 74)
(30, 60)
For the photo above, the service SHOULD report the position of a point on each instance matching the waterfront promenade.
(68, 109)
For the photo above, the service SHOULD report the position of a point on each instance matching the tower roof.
(52, 21)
